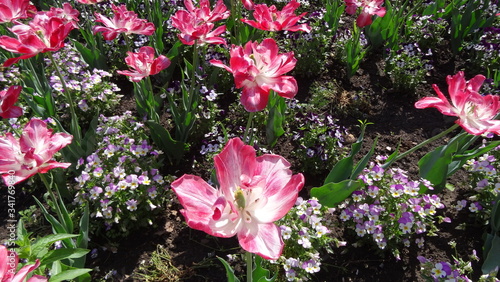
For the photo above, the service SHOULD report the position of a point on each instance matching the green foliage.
(59, 261)
(342, 179)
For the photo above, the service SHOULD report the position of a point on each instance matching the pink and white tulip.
(144, 64)
(32, 153)
(368, 9)
(475, 112)
(7, 100)
(124, 21)
(269, 18)
(43, 34)
(8, 266)
(90, 2)
(197, 24)
(11, 10)
(253, 193)
(204, 14)
(258, 69)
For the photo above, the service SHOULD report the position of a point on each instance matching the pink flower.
(369, 8)
(248, 4)
(258, 69)
(124, 21)
(203, 13)
(197, 24)
(32, 153)
(7, 100)
(475, 112)
(42, 34)
(269, 18)
(11, 10)
(66, 13)
(144, 63)
(253, 193)
(8, 266)
(91, 2)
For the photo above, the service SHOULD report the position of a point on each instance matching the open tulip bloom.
(253, 193)
(32, 153)
(124, 21)
(43, 34)
(203, 13)
(197, 24)
(11, 10)
(7, 100)
(369, 8)
(269, 18)
(258, 69)
(8, 266)
(144, 64)
(475, 112)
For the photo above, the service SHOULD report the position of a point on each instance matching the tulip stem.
(430, 140)
(51, 194)
(247, 129)
(74, 119)
(249, 259)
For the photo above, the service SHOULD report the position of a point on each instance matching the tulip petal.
(265, 241)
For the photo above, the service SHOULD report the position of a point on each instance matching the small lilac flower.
(132, 180)
(286, 232)
(420, 242)
(152, 193)
(475, 207)
(441, 270)
(373, 191)
(144, 180)
(94, 192)
(98, 172)
(107, 212)
(83, 105)
(131, 205)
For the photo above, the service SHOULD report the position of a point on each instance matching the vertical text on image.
(11, 210)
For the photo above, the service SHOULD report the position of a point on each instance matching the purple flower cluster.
(457, 270)
(318, 138)
(484, 183)
(305, 231)
(120, 181)
(91, 88)
(389, 209)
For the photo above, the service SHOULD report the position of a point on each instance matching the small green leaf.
(333, 193)
(229, 271)
(69, 274)
(341, 171)
(61, 254)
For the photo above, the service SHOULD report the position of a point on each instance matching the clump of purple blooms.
(409, 65)
(457, 270)
(484, 183)
(306, 233)
(91, 89)
(121, 181)
(389, 211)
(317, 137)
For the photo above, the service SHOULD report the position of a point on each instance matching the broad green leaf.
(61, 254)
(341, 171)
(47, 241)
(68, 275)
(260, 274)
(364, 161)
(229, 271)
(491, 254)
(333, 193)
(173, 149)
(434, 166)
